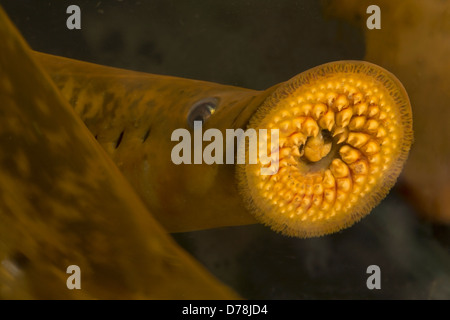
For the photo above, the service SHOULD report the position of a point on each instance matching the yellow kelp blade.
(63, 202)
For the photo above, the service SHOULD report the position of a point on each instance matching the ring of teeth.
(338, 139)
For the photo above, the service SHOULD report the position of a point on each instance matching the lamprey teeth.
(361, 108)
(298, 122)
(319, 110)
(360, 167)
(306, 109)
(345, 132)
(341, 134)
(371, 147)
(349, 154)
(372, 125)
(341, 102)
(383, 115)
(331, 96)
(357, 98)
(327, 121)
(357, 123)
(339, 169)
(373, 111)
(297, 138)
(358, 139)
(310, 127)
(381, 133)
(343, 118)
(328, 180)
(344, 184)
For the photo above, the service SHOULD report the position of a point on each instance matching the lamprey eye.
(345, 130)
(202, 110)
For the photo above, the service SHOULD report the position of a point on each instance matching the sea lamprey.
(345, 132)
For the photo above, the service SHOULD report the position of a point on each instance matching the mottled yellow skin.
(64, 202)
(326, 184)
(147, 108)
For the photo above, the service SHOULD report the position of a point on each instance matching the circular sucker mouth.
(345, 130)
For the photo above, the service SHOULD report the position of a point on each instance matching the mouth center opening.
(318, 152)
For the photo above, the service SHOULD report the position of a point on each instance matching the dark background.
(254, 44)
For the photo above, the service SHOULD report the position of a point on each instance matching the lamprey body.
(345, 132)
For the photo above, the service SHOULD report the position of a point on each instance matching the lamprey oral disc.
(345, 130)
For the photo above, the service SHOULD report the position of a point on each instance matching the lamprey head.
(345, 130)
